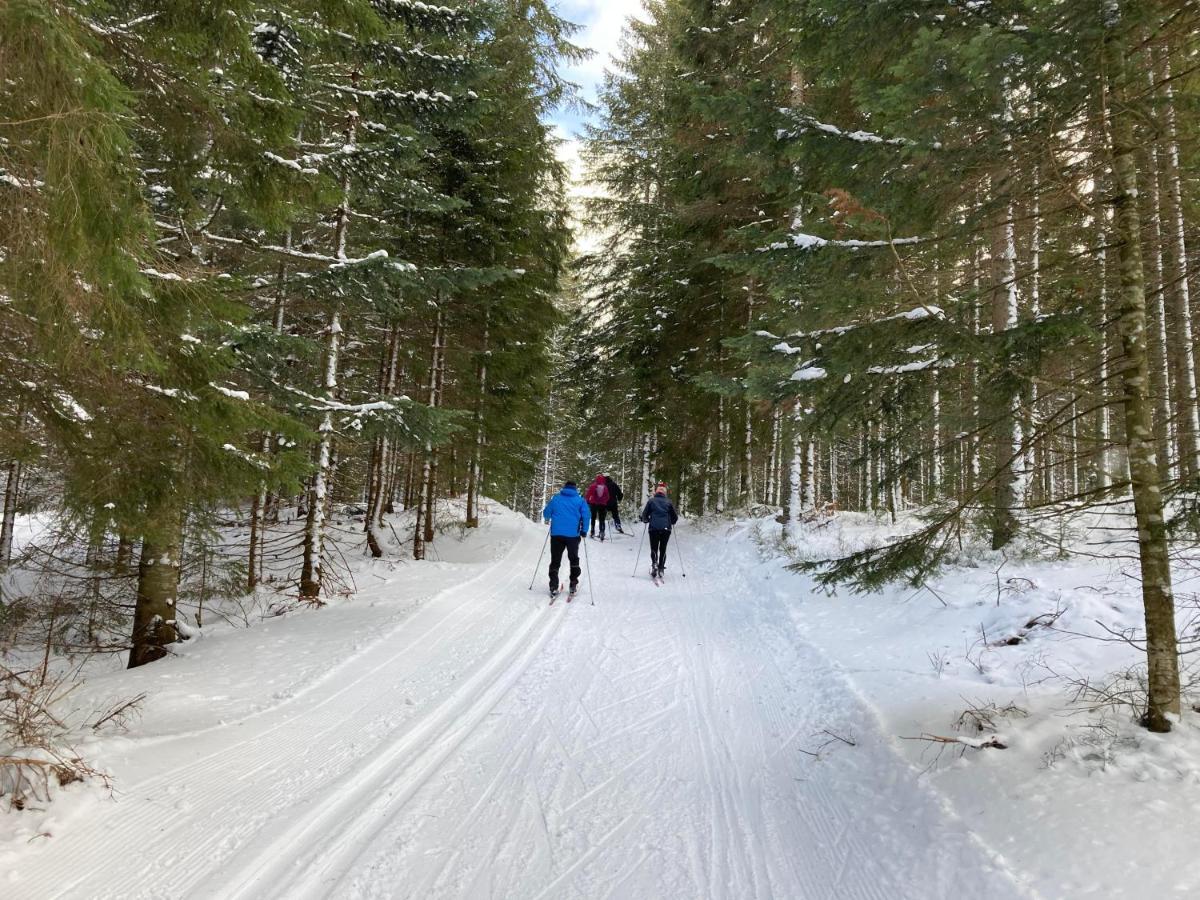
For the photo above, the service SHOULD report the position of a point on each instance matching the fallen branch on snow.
(995, 742)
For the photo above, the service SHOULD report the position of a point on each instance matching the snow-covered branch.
(912, 315)
(388, 95)
(806, 124)
(802, 241)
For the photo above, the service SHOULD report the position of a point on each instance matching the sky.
(601, 23)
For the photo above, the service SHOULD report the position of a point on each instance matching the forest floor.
(729, 734)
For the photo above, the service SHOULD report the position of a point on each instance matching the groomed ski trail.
(652, 750)
(645, 747)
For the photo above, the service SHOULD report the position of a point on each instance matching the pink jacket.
(597, 494)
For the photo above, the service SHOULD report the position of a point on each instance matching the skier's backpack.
(601, 494)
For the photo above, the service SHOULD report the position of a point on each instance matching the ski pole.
(679, 553)
(540, 555)
(639, 553)
(587, 561)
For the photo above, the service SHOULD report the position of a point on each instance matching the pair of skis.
(657, 577)
(570, 595)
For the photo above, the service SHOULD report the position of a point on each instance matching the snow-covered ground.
(731, 734)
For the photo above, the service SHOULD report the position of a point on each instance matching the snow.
(809, 373)
(802, 241)
(916, 314)
(1081, 803)
(808, 123)
(71, 407)
(917, 366)
(731, 734)
(290, 163)
(162, 276)
(231, 393)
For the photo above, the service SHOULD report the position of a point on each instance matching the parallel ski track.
(366, 798)
(650, 751)
(303, 770)
(645, 747)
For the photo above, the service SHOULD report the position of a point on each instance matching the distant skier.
(598, 498)
(614, 499)
(569, 519)
(660, 515)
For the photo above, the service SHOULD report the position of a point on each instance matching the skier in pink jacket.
(598, 497)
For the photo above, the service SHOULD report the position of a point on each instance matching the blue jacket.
(660, 513)
(568, 514)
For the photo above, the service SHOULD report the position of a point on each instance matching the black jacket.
(614, 492)
(660, 513)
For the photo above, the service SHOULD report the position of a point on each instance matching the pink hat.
(660, 488)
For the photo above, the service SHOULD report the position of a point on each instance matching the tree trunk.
(12, 495)
(314, 526)
(432, 472)
(1183, 349)
(1009, 483)
(154, 615)
(381, 457)
(646, 486)
(1105, 456)
(795, 517)
(473, 476)
(772, 497)
(1160, 377)
(1161, 645)
(423, 527)
(253, 561)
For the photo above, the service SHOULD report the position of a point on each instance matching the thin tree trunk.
(1106, 464)
(432, 472)
(1161, 644)
(12, 494)
(314, 526)
(833, 473)
(1160, 377)
(794, 519)
(423, 527)
(773, 460)
(810, 475)
(253, 561)
(1183, 350)
(1010, 484)
(722, 459)
(646, 487)
(477, 451)
(381, 457)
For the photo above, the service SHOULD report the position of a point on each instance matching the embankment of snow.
(1082, 800)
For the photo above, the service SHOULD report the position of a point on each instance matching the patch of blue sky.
(601, 23)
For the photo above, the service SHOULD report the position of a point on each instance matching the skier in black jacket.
(614, 497)
(660, 515)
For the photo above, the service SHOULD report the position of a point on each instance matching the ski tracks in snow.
(646, 747)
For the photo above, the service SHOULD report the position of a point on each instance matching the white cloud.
(603, 22)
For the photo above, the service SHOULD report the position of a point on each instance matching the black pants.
(557, 546)
(598, 514)
(658, 547)
(616, 514)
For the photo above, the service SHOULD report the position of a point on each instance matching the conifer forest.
(309, 308)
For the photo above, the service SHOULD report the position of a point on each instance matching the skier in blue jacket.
(569, 518)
